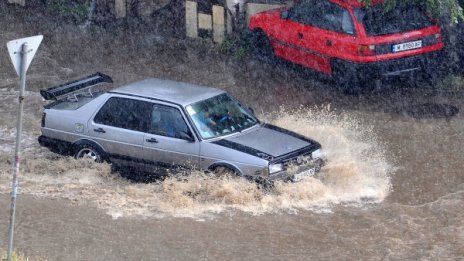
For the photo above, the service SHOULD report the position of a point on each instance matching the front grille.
(295, 159)
(388, 48)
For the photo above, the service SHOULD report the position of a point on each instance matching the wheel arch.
(226, 165)
(91, 143)
(259, 31)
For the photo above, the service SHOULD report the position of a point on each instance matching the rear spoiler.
(74, 86)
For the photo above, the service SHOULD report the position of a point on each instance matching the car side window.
(124, 113)
(168, 121)
(323, 14)
(303, 12)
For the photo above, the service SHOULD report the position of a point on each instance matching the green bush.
(438, 8)
(453, 83)
(74, 9)
(237, 46)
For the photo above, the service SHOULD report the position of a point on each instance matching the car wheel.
(434, 78)
(348, 80)
(262, 47)
(222, 171)
(88, 152)
(264, 183)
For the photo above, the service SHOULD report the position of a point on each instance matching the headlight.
(316, 154)
(273, 168)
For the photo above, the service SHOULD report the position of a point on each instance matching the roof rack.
(78, 87)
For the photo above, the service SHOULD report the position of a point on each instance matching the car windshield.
(220, 115)
(379, 21)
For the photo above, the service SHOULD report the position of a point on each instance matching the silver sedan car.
(158, 125)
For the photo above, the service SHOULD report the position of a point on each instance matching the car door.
(283, 33)
(169, 142)
(119, 127)
(291, 31)
(321, 30)
(332, 33)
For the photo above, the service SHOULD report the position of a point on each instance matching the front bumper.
(294, 173)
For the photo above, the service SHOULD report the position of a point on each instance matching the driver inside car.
(205, 122)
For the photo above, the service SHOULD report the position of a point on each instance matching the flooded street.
(393, 187)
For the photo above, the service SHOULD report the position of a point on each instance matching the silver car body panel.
(268, 141)
(166, 90)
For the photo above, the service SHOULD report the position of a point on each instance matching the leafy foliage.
(437, 8)
(76, 9)
(236, 45)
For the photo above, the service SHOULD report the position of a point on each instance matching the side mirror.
(284, 15)
(186, 136)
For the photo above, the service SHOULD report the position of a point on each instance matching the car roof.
(167, 90)
(357, 3)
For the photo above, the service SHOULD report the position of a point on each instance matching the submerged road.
(413, 210)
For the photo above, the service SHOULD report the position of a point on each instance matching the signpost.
(21, 52)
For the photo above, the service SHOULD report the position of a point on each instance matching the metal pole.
(19, 128)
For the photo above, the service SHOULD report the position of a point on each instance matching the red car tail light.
(366, 50)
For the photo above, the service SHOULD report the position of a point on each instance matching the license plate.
(304, 174)
(407, 46)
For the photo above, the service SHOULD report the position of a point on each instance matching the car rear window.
(379, 21)
(125, 113)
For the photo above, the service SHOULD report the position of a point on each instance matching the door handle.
(329, 43)
(100, 130)
(152, 140)
(300, 35)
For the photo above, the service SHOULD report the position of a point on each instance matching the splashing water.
(357, 174)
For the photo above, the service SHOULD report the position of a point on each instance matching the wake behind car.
(157, 125)
(353, 43)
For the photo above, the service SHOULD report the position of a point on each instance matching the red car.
(353, 43)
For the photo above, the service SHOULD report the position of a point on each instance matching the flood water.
(393, 187)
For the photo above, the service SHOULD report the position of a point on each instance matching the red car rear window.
(379, 21)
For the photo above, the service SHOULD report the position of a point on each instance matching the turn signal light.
(43, 119)
(366, 50)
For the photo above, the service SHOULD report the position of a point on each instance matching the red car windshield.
(379, 21)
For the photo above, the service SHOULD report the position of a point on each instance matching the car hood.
(267, 140)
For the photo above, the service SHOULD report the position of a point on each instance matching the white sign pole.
(21, 53)
(19, 128)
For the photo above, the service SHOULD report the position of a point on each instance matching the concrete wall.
(219, 29)
(215, 24)
(20, 2)
(220, 21)
(253, 8)
(191, 19)
(120, 8)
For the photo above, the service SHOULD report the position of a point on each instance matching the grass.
(453, 82)
(18, 257)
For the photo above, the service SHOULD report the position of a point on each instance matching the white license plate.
(304, 174)
(407, 46)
